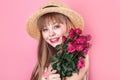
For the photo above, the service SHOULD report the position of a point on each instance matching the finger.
(54, 75)
(49, 68)
(57, 78)
(53, 71)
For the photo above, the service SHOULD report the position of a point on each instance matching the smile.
(54, 40)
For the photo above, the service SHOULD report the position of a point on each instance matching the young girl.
(52, 21)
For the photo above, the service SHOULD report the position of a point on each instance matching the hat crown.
(54, 4)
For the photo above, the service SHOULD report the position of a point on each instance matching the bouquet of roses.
(71, 53)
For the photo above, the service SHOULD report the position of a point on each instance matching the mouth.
(54, 40)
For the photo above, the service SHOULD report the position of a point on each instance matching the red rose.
(81, 40)
(78, 31)
(81, 63)
(64, 38)
(87, 45)
(85, 50)
(72, 33)
(88, 37)
(79, 47)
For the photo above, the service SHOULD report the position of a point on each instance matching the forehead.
(54, 24)
(51, 18)
(52, 21)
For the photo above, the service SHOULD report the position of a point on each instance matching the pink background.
(18, 49)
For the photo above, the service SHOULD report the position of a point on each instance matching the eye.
(57, 26)
(44, 29)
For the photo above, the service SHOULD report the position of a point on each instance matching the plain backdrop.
(18, 50)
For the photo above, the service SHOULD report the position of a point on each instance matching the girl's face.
(53, 33)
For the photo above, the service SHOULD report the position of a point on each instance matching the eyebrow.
(54, 24)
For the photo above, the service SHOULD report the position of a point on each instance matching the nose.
(51, 33)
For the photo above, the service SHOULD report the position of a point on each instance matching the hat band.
(49, 6)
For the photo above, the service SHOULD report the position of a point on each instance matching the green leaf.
(54, 66)
(63, 74)
(77, 71)
(54, 58)
(64, 68)
(82, 54)
(70, 69)
(72, 55)
(58, 65)
(69, 74)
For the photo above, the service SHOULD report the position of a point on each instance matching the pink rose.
(70, 47)
(81, 63)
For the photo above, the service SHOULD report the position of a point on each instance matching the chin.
(54, 45)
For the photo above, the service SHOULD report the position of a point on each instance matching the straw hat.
(50, 7)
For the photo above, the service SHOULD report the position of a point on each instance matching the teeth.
(54, 39)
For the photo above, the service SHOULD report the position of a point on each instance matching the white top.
(44, 76)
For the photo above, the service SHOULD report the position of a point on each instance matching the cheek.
(44, 36)
(63, 31)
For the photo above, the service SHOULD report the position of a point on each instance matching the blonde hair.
(45, 51)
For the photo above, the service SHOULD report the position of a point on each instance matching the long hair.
(45, 51)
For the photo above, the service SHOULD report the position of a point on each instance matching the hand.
(53, 76)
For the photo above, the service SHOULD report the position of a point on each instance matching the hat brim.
(32, 28)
